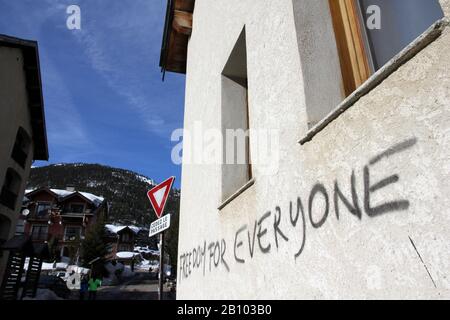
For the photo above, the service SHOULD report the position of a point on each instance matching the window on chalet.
(20, 227)
(72, 233)
(76, 208)
(237, 170)
(124, 247)
(10, 189)
(21, 147)
(43, 209)
(109, 248)
(5, 226)
(369, 33)
(125, 237)
(39, 232)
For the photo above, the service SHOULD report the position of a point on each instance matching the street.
(140, 287)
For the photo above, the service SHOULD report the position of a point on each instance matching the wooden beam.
(184, 5)
(182, 22)
(349, 39)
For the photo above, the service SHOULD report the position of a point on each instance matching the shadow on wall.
(318, 57)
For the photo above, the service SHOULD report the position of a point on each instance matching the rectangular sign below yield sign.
(160, 225)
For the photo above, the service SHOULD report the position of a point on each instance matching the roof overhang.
(34, 91)
(37, 191)
(177, 30)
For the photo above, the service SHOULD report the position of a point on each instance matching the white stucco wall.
(350, 257)
(445, 6)
(14, 113)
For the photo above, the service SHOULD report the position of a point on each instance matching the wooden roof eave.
(177, 30)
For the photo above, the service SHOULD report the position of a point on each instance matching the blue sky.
(104, 98)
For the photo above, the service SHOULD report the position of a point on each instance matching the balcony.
(72, 214)
(8, 199)
(43, 215)
(39, 237)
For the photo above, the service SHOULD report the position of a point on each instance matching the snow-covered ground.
(146, 250)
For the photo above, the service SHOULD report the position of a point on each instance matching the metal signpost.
(158, 197)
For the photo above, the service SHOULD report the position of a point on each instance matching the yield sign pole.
(158, 198)
(161, 265)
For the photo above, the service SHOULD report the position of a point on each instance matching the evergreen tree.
(94, 245)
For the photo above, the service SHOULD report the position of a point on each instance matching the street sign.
(158, 196)
(160, 225)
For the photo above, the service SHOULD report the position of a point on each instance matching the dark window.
(76, 208)
(126, 237)
(65, 252)
(20, 227)
(21, 147)
(43, 209)
(369, 33)
(5, 226)
(401, 22)
(72, 233)
(10, 189)
(39, 232)
(124, 247)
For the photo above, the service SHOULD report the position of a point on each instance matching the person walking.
(84, 286)
(94, 283)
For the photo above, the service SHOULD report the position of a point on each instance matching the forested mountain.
(124, 190)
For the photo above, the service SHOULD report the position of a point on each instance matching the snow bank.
(127, 255)
(146, 250)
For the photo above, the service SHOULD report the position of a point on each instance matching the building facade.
(352, 201)
(22, 129)
(61, 218)
(120, 239)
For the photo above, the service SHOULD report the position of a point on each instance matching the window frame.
(11, 187)
(73, 227)
(40, 238)
(77, 204)
(354, 56)
(21, 148)
(43, 203)
(356, 53)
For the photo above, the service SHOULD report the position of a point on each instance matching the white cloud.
(104, 43)
(65, 127)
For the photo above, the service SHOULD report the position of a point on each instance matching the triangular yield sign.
(158, 196)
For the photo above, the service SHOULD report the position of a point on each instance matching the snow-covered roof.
(96, 200)
(62, 193)
(116, 229)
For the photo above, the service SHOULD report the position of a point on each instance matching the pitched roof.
(116, 229)
(64, 194)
